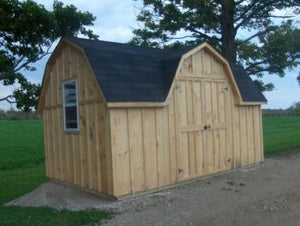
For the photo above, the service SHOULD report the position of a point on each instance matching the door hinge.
(180, 170)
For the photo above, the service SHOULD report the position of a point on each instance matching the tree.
(272, 43)
(27, 32)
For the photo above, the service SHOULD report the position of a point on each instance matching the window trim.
(64, 105)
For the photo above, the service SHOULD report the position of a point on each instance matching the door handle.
(206, 127)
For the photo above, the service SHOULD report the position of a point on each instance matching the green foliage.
(295, 106)
(281, 133)
(27, 31)
(270, 47)
(22, 169)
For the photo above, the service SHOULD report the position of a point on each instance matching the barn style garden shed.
(121, 119)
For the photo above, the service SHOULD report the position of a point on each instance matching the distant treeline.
(294, 110)
(17, 115)
(279, 112)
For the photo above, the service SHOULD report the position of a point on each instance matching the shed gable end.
(68, 62)
(204, 63)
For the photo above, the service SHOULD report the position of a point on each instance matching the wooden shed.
(122, 119)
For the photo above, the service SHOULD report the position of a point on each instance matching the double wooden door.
(201, 115)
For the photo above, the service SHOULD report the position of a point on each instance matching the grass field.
(281, 133)
(22, 168)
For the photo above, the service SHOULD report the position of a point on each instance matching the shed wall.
(155, 147)
(82, 158)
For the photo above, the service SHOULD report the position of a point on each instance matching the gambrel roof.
(248, 89)
(128, 73)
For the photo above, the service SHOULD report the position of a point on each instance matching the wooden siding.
(81, 158)
(201, 131)
(124, 149)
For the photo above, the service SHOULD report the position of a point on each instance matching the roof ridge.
(117, 43)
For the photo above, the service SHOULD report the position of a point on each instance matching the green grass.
(21, 144)
(281, 133)
(22, 169)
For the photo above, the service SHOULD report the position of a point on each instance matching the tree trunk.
(228, 31)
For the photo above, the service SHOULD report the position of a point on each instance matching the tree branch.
(255, 35)
(246, 10)
(254, 12)
(183, 37)
(8, 99)
(203, 34)
(282, 17)
(18, 66)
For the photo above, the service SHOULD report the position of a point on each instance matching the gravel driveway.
(268, 194)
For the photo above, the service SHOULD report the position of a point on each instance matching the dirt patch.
(268, 194)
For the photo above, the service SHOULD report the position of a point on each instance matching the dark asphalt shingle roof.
(129, 73)
(248, 90)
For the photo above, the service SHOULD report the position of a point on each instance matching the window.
(70, 105)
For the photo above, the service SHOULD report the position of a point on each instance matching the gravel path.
(268, 194)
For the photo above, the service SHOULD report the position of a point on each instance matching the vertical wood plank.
(51, 149)
(209, 160)
(243, 136)
(257, 134)
(120, 152)
(183, 154)
(162, 137)
(46, 142)
(222, 149)
(93, 142)
(55, 144)
(83, 146)
(150, 154)
(261, 134)
(108, 160)
(230, 124)
(172, 139)
(136, 150)
(190, 121)
(99, 142)
(71, 137)
(198, 121)
(236, 136)
(88, 147)
(216, 150)
(59, 141)
(251, 153)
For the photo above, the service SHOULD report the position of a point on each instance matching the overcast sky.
(115, 22)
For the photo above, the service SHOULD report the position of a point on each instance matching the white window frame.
(64, 106)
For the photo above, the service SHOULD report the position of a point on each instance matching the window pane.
(70, 93)
(70, 105)
(71, 117)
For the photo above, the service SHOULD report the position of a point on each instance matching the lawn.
(281, 133)
(22, 169)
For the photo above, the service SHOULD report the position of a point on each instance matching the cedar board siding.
(155, 147)
(81, 158)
